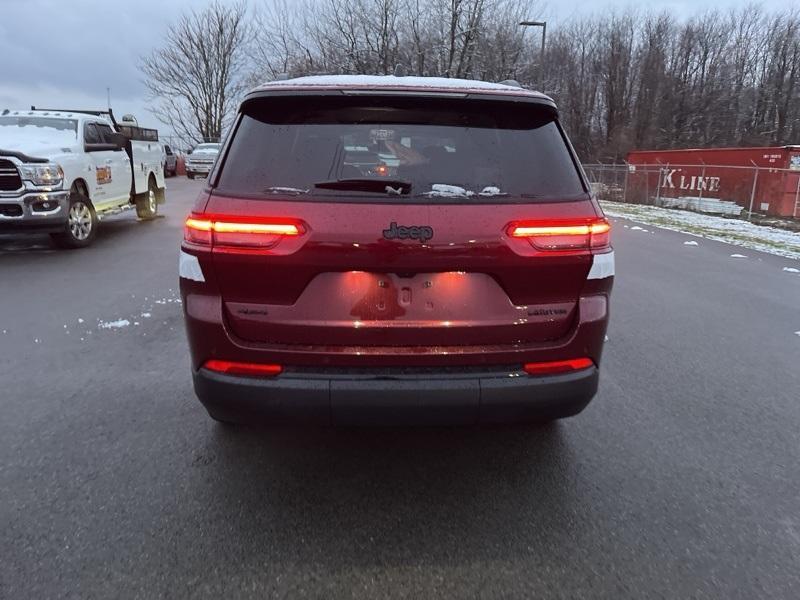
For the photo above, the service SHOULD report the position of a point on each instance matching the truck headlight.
(49, 174)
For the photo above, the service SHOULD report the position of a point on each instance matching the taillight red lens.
(228, 231)
(198, 231)
(243, 368)
(560, 235)
(558, 366)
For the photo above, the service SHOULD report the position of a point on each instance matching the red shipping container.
(719, 173)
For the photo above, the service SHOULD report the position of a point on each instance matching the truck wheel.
(81, 225)
(147, 203)
(190, 175)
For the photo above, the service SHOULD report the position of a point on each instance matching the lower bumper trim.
(445, 400)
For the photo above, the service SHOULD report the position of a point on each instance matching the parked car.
(62, 169)
(469, 284)
(201, 159)
(170, 161)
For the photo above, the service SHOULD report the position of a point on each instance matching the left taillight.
(198, 231)
(563, 235)
(236, 232)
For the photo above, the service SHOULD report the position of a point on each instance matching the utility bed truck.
(61, 171)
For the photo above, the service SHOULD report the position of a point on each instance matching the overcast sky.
(65, 53)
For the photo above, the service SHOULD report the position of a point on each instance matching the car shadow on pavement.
(400, 497)
(111, 230)
(17, 244)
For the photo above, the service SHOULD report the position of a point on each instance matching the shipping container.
(766, 179)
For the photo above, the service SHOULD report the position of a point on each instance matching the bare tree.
(276, 48)
(622, 80)
(196, 78)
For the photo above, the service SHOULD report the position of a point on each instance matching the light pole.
(543, 25)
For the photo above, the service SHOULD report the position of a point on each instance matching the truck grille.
(10, 180)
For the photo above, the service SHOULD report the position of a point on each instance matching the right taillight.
(236, 232)
(563, 235)
(558, 367)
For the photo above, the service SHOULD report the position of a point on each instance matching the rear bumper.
(429, 399)
(198, 169)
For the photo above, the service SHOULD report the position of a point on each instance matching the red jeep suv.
(394, 250)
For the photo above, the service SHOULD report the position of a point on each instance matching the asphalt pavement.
(681, 479)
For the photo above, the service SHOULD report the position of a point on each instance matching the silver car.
(201, 160)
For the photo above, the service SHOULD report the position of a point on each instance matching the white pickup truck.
(62, 170)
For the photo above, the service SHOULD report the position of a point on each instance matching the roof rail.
(96, 113)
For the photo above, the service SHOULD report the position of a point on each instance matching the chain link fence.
(716, 189)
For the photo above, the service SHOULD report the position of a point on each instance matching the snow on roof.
(371, 82)
(39, 113)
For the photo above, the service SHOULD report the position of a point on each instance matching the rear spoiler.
(278, 92)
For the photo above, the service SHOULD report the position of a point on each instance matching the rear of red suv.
(396, 250)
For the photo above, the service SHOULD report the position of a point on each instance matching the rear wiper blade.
(388, 186)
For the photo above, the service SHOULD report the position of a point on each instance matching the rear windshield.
(425, 150)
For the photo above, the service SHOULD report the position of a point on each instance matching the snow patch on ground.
(791, 270)
(119, 323)
(732, 231)
(149, 311)
(738, 256)
(692, 243)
